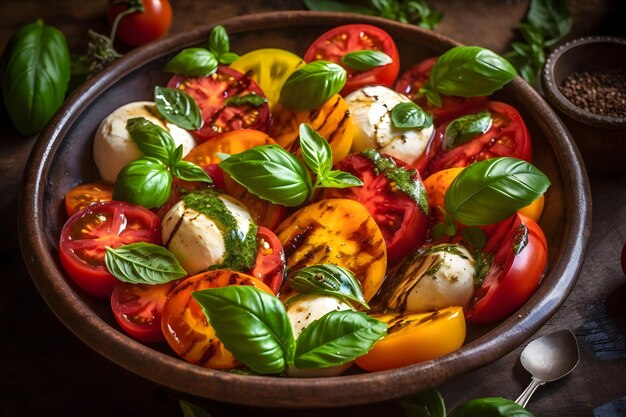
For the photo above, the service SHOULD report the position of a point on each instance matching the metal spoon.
(548, 358)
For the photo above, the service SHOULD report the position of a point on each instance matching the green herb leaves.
(489, 191)
(464, 128)
(365, 60)
(312, 85)
(551, 17)
(329, 280)
(143, 263)
(178, 107)
(467, 71)
(278, 176)
(490, 407)
(410, 115)
(219, 44)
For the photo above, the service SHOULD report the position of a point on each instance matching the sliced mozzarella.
(371, 108)
(195, 238)
(113, 148)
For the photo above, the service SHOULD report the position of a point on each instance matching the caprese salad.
(287, 215)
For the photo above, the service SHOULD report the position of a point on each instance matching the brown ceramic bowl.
(62, 159)
(601, 138)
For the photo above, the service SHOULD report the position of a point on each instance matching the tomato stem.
(134, 6)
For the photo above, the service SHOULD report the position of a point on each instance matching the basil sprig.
(312, 85)
(328, 279)
(489, 191)
(490, 407)
(365, 59)
(467, 71)
(465, 128)
(178, 107)
(143, 263)
(274, 174)
(410, 115)
(219, 44)
(147, 181)
(552, 18)
(255, 328)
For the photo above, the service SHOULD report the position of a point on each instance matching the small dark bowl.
(601, 139)
(62, 159)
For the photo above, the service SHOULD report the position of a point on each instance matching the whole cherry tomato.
(139, 28)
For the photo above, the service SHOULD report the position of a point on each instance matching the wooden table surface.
(45, 369)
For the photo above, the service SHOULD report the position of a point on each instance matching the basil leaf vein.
(193, 62)
(178, 107)
(145, 181)
(151, 139)
(410, 115)
(330, 280)
(189, 171)
(143, 263)
(316, 150)
(312, 85)
(365, 59)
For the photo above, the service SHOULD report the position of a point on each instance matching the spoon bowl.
(548, 358)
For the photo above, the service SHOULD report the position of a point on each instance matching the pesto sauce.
(402, 178)
(240, 250)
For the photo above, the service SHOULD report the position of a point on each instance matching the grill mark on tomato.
(181, 287)
(208, 353)
(308, 257)
(195, 339)
(333, 107)
(297, 241)
(340, 126)
(233, 279)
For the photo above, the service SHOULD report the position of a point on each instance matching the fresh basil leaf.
(465, 128)
(424, 404)
(228, 58)
(192, 410)
(551, 17)
(251, 99)
(438, 230)
(145, 181)
(429, 17)
(34, 74)
(272, 173)
(177, 155)
(489, 191)
(336, 6)
(219, 43)
(490, 407)
(193, 62)
(178, 107)
(316, 150)
(151, 139)
(338, 179)
(410, 115)
(336, 338)
(475, 236)
(312, 85)
(251, 324)
(365, 60)
(330, 280)
(469, 71)
(143, 263)
(189, 171)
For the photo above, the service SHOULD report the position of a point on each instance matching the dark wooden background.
(46, 370)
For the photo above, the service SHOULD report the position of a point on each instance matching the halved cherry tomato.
(137, 28)
(339, 232)
(82, 195)
(507, 136)
(534, 209)
(337, 42)
(520, 256)
(414, 338)
(186, 327)
(400, 219)
(88, 232)
(212, 93)
(452, 107)
(138, 309)
(269, 265)
(332, 121)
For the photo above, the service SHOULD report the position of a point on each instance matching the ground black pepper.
(600, 92)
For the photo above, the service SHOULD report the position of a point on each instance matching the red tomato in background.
(452, 107)
(269, 265)
(512, 277)
(211, 94)
(86, 234)
(507, 136)
(400, 219)
(337, 42)
(138, 28)
(138, 309)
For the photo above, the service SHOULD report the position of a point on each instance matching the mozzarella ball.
(196, 238)
(371, 108)
(113, 148)
(433, 278)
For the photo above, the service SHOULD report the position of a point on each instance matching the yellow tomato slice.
(413, 338)
(269, 68)
(534, 209)
(332, 121)
(339, 232)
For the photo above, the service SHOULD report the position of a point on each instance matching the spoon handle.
(523, 399)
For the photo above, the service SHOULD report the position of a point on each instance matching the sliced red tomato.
(400, 219)
(82, 195)
(186, 327)
(452, 107)
(138, 309)
(337, 42)
(212, 94)
(138, 28)
(508, 136)
(519, 258)
(269, 265)
(88, 232)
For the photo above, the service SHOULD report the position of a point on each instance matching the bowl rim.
(558, 99)
(364, 388)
